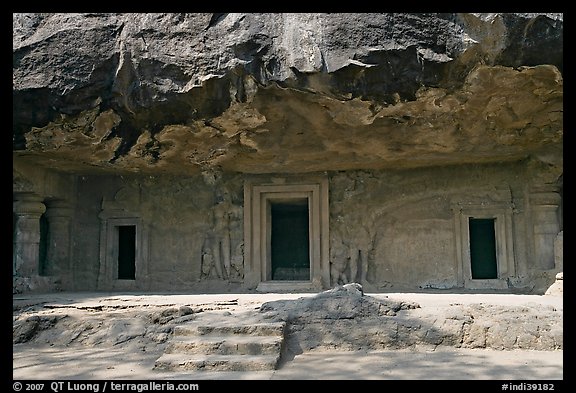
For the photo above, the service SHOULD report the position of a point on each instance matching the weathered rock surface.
(179, 93)
(557, 288)
(26, 329)
(345, 318)
(137, 328)
(342, 302)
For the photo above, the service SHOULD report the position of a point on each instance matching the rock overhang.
(260, 93)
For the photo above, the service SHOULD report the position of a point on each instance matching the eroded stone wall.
(181, 227)
(406, 221)
(389, 230)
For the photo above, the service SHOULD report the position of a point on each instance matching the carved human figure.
(357, 237)
(209, 263)
(339, 263)
(237, 263)
(224, 212)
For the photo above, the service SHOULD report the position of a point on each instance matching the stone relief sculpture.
(237, 264)
(20, 183)
(217, 250)
(211, 266)
(358, 240)
(353, 226)
(351, 255)
(339, 259)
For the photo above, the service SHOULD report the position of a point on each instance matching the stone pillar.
(28, 208)
(545, 202)
(58, 214)
(559, 251)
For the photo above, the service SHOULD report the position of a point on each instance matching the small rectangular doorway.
(483, 260)
(290, 239)
(127, 252)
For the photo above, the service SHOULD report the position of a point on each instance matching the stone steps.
(213, 362)
(226, 345)
(221, 346)
(222, 329)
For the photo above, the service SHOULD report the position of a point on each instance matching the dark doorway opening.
(483, 248)
(290, 240)
(127, 252)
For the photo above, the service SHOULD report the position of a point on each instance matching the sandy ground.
(32, 361)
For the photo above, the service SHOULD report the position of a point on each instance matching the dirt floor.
(99, 336)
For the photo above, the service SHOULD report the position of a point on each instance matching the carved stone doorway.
(286, 234)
